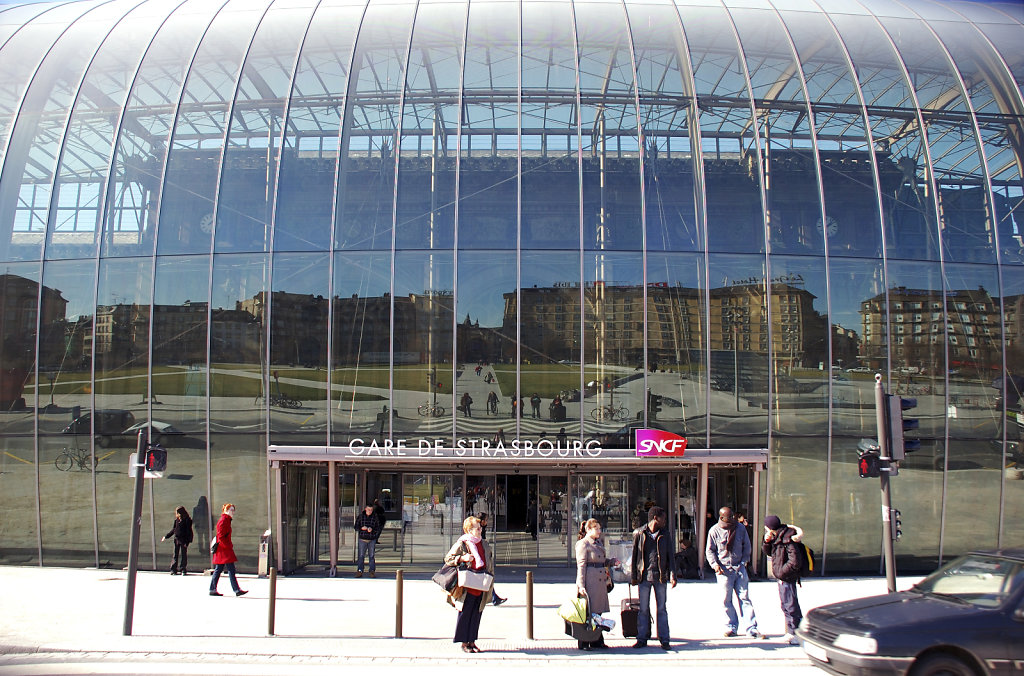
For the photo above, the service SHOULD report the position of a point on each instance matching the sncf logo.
(659, 443)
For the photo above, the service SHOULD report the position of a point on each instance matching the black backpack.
(806, 555)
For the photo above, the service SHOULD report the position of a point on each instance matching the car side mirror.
(1019, 614)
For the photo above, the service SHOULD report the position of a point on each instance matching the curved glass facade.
(300, 222)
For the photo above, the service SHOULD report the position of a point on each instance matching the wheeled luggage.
(630, 614)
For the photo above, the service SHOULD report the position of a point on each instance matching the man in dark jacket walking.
(369, 526)
(782, 546)
(653, 569)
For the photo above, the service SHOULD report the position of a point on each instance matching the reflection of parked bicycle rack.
(69, 457)
(432, 410)
(609, 412)
(280, 399)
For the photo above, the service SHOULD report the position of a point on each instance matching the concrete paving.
(70, 621)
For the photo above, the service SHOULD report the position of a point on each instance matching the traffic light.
(653, 405)
(869, 465)
(156, 458)
(895, 525)
(899, 446)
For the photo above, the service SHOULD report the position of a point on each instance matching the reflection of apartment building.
(19, 303)
(297, 326)
(923, 323)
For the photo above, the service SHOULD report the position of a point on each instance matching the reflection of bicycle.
(69, 457)
(432, 410)
(609, 412)
(284, 401)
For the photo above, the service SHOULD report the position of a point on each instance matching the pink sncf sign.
(658, 443)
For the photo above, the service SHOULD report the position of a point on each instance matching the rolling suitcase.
(630, 613)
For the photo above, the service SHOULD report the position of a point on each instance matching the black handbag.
(446, 577)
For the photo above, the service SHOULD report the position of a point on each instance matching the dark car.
(109, 423)
(966, 618)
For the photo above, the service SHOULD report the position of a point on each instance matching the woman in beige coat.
(470, 552)
(592, 575)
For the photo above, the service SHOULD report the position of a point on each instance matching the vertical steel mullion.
(643, 212)
(519, 223)
(812, 125)
(581, 295)
(701, 214)
(930, 177)
(389, 419)
(455, 218)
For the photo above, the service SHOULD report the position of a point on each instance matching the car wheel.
(942, 665)
(102, 441)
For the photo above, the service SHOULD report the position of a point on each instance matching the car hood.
(901, 609)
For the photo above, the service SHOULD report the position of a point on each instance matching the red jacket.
(225, 550)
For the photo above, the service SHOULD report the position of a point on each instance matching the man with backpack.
(789, 560)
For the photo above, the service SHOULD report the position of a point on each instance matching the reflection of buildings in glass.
(19, 298)
(920, 333)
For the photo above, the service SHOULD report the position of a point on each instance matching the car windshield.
(984, 581)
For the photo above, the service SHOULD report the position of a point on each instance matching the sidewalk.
(51, 617)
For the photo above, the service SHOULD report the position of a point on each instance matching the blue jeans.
(643, 625)
(730, 581)
(217, 570)
(790, 605)
(364, 547)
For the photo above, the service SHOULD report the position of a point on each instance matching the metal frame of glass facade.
(304, 221)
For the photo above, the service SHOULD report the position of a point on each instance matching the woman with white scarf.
(469, 551)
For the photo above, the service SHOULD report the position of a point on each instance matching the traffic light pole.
(886, 456)
(133, 543)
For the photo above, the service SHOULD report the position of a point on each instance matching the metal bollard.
(529, 604)
(272, 607)
(399, 579)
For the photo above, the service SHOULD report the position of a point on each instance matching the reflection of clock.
(206, 223)
(831, 226)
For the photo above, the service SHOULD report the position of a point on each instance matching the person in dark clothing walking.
(369, 527)
(224, 558)
(181, 530)
(482, 518)
(782, 545)
(465, 404)
(535, 404)
(652, 569)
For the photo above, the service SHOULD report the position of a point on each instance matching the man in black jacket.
(368, 525)
(653, 569)
(782, 546)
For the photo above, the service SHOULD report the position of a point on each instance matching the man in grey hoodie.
(728, 552)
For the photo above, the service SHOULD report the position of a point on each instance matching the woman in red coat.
(224, 558)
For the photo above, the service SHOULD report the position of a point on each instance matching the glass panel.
(738, 325)
(556, 530)
(238, 468)
(130, 204)
(432, 514)
(918, 368)
(676, 352)
(310, 149)
(121, 344)
(908, 210)
(237, 348)
(423, 345)
(516, 526)
(19, 312)
(430, 122)
(488, 184)
(612, 209)
(366, 186)
(300, 512)
(800, 332)
(361, 352)
(18, 529)
(665, 114)
(731, 162)
(859, 344)
(966, 225)
(687, 523)
(85, 157)
(35, 141)
(793, 210)
(298, 349)
(550, 346)
(851, 202)
(1010, 399)
(250, 161)
(65, 358)
(194, 165)
(486, 338)
(550, 167)
(603, 497)
(613, 308)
